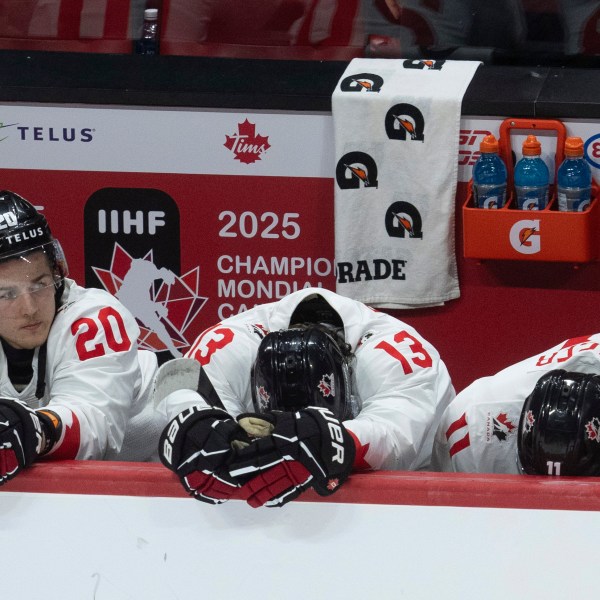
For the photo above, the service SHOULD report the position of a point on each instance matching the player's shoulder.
(483, 412)
(393, 340)
(465, 401)
(251, 325)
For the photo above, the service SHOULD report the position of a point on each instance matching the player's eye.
(8, 294)
(37, 286)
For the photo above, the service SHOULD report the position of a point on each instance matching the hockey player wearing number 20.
(71, 377)
(540, 416)
(300, 392)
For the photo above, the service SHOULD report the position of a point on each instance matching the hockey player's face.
(27, 304)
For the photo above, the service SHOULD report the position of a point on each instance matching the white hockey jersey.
(94, 380)
(478, 432)
(400, 380)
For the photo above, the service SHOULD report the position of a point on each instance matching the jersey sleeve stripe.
(458, 424)
(460, 445)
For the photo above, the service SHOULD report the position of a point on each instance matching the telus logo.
(55, 134)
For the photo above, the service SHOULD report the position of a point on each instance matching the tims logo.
(355, 170)
(405, 121)
(246, 144)
(363, 82)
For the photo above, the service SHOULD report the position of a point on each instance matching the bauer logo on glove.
(198, 445)
(306, 448)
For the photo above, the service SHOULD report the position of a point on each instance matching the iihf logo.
(362, 82)
(355, 170)
(405, 121)
(403, 219)
(164, 311)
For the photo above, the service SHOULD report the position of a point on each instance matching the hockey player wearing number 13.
(72, 380)
(540, 416)
(297, 394)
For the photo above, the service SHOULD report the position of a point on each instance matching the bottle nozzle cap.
(489, 144)
(531, 146)
(573, 146)
(151, 13)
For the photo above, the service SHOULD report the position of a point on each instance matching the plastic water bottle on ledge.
(574, 178)
(531, 177)
(148, 43)
(489, 175)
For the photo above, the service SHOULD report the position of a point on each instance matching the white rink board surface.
(69, 546)
(166, 140)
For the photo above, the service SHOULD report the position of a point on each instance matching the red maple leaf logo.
(529, 421)
(327, 385)
(592, 429)
(503, 418)
(246, 145)
(503, 427)
(332, 484)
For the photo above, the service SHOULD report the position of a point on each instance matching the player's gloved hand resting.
(291, 452)
(22, 437)
(198, 446)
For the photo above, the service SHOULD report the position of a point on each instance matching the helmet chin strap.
(40, 387)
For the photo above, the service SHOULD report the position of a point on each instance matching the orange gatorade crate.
(544, 235)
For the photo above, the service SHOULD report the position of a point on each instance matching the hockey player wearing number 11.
(540, 416)
(296, 394)
(72, 381)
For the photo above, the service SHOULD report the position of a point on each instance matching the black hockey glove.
(23, 437)
(197, 446)
(306, 448)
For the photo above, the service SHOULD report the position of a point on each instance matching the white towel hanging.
(396, 128)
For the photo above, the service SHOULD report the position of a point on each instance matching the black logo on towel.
(426, 65)
(362, 82)
(355, 170)
(405, 121)
(372, 269)
(402, 219)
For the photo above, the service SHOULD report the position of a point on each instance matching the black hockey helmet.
(559, 428)
(301, 367)
(24, 230)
